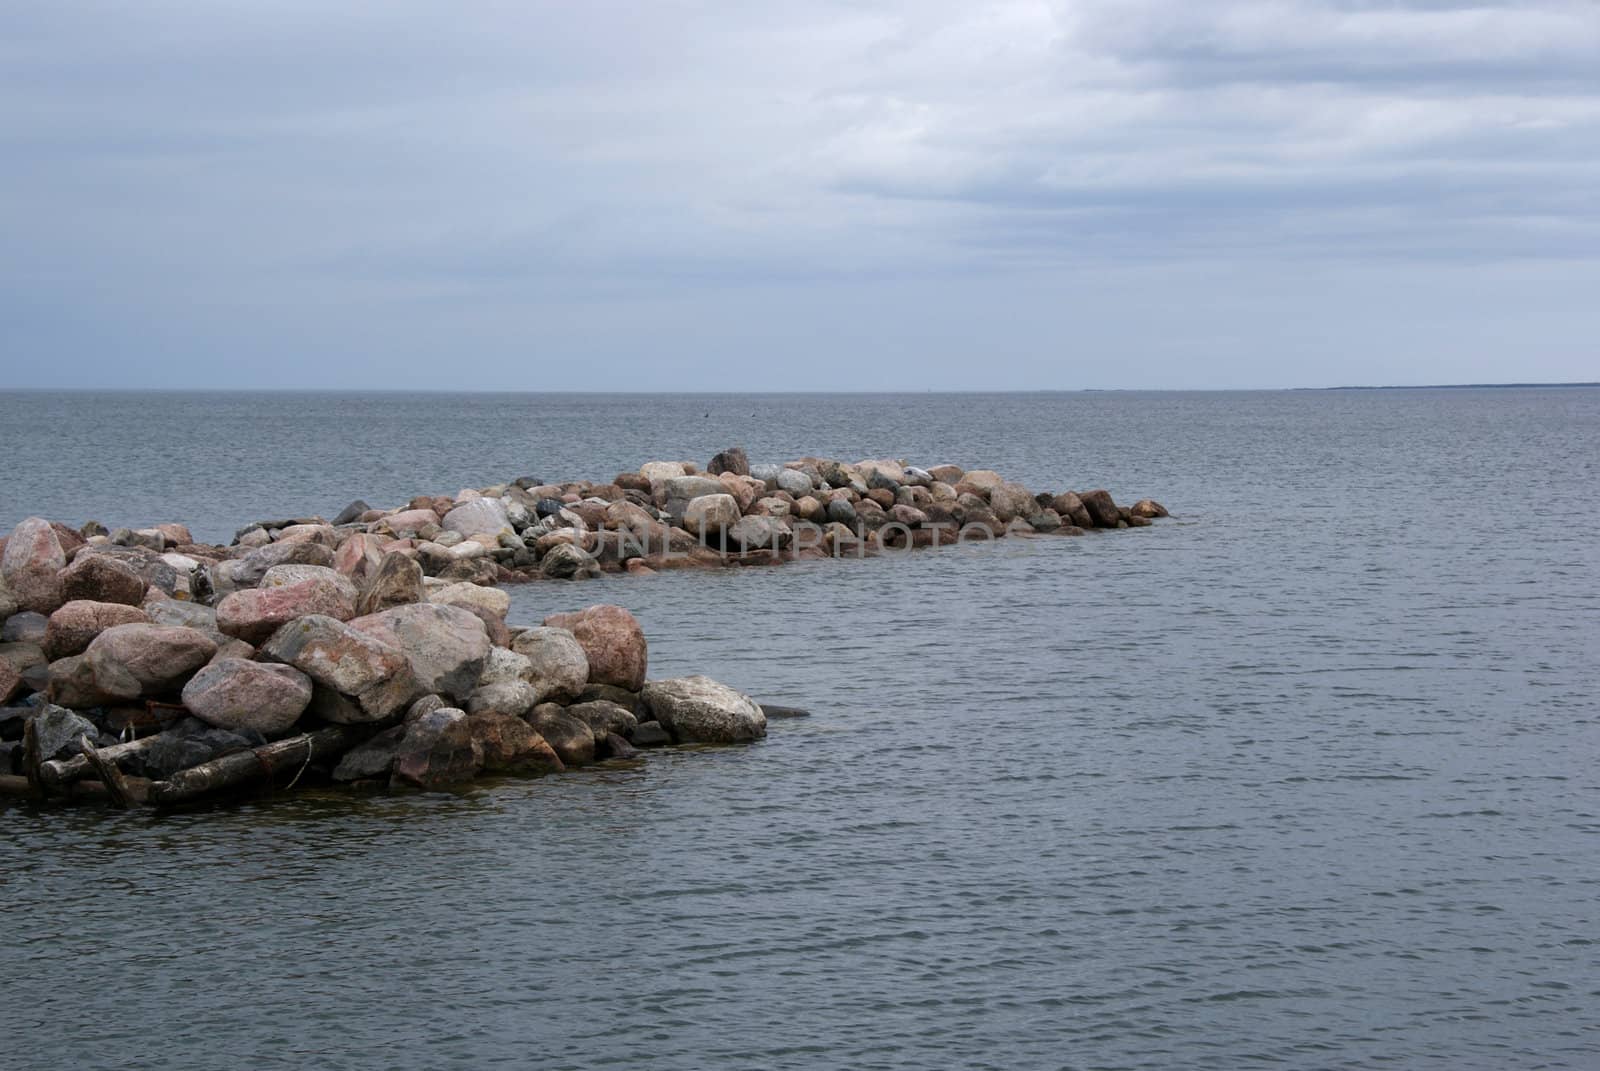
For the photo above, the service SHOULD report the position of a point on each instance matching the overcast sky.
(798, 194)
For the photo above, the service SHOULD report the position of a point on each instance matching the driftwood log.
(58, 772)
(116, 784)
(252, 764)
(16, 786)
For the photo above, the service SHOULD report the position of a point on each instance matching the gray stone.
(558, 668)
(795, 482)
(438, 750)
(602, 717)
(372, 759)
(25, 627)
(567, 561)
(476, 516)
(58, 730)
(351, 513)
(651, 734)
(700, 709)
(446, 645)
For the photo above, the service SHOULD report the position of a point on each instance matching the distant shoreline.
(415, 391)
(1452, 386)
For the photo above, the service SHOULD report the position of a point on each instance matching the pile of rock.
(671, 514)
(112, 669)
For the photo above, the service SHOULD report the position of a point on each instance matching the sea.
(1304, 776)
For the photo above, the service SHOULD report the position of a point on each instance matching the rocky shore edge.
(373, 651)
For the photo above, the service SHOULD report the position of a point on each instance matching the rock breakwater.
(373, 650)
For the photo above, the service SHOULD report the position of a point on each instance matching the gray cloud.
(373, 194)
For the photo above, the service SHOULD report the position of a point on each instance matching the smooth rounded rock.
(32, 564)
(75, 625)
(699, 709)
(446, 645)
(613, 644)
(558, 667)
(233, 693)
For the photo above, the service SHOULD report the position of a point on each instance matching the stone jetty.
(373, 650)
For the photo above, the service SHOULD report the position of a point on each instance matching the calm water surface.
(1305, 778)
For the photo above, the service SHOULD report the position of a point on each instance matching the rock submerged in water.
(700, 710)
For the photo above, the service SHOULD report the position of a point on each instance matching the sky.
(798, 194)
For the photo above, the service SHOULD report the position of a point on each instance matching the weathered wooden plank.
(252, 764)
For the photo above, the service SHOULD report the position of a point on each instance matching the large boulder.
(478, 516)
(659, 471)
(102, 578)
(709, 514)
(489, 605)
(612, 642)
(346, 661)
(511, 745)
(1101, 508)
(558, 666)
(397, 581)
(446, 645)
(733, 460)
(1071, 509)
(234, 693)
(687, 488)
(438, 750)
(602, 717)
(698, 709)
(282, 576)
(571, 737)
(254, 614)
(372, 758)
(795, 482)
(58, 731)
(568, 561)
(73, 627)
(515, 698)
(1012, 500)
(32, 564)
(128, 661)
(760, 533)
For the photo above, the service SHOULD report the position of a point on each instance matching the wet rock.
(733, 460)
(612, 746)
(102, 578)
(351, 513)
(190, 742)
(651, 734)
(234, 693)
(73, 627)
(603, 717)
(626, 699)
(375, 674)
(511, 745)
(254, 614)
(438, 750)
(1072, 510)
(396, 582)
(31, 565)
(446, 645)
(571, 737)
(558, 665)
(372, 758)
(478, 515)
(613, 644)
(702, 710)
(569, 562)
(1148, 508)
(1101, 508)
